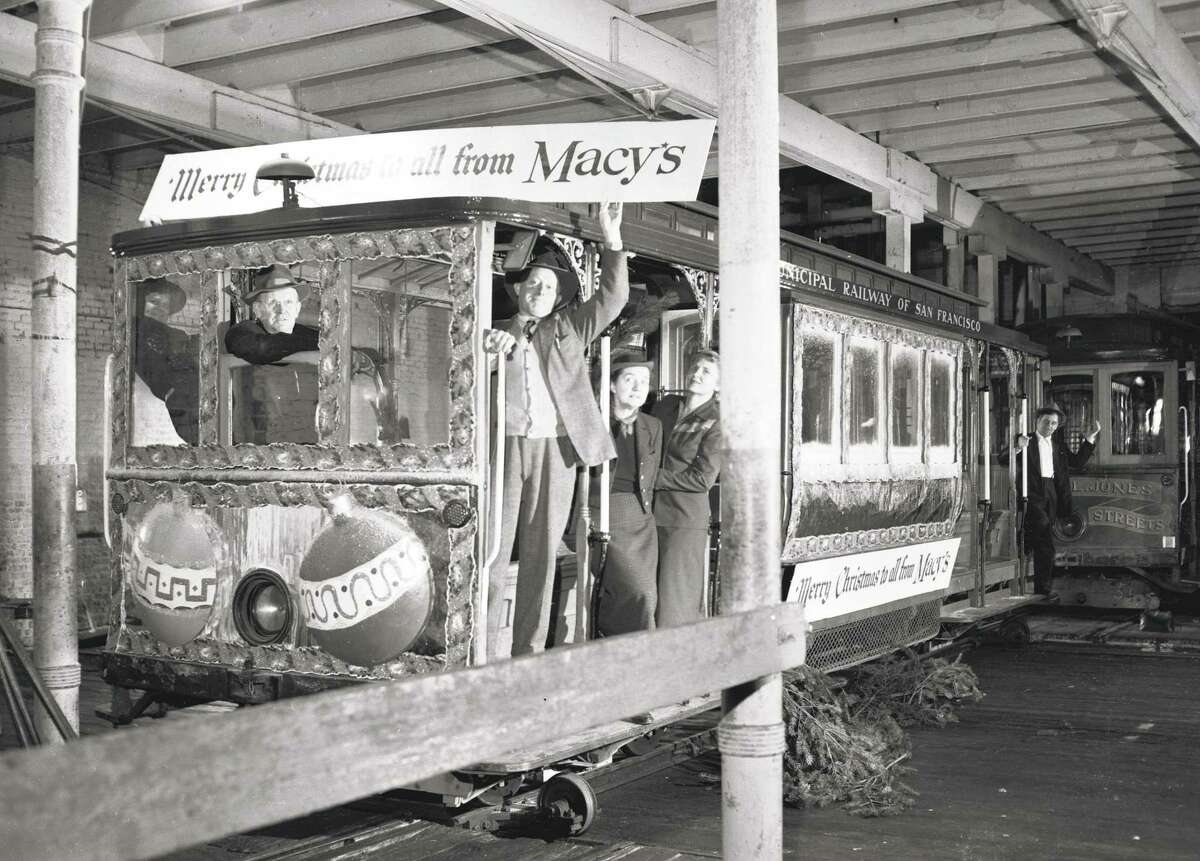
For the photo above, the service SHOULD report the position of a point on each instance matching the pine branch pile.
(849, 747)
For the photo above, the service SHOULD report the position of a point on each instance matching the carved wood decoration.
(454, 245)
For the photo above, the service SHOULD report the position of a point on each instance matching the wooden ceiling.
(1011, 100)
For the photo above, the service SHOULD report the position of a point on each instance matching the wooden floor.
(1076, 753)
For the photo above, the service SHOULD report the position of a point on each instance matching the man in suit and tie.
(552, 421)
(1050, 499)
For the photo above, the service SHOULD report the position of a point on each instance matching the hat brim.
(300, 287)
(179, 297)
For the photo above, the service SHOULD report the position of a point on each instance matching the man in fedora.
(1048, 466)
(628, 584)
(551, 420)
(273, 334)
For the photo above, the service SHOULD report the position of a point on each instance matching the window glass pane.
(863, 359)
(270, 356)
(816, 397)
(1137, 413)
(906, 383)
(941, 407)
(400, 378)
(1076, 397)
(165, 389)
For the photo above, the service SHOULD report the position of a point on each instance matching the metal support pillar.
(58, 84)
(751, 733)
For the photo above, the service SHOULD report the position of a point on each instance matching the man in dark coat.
(628, 583)
(552, 422)
(166, 358)
(1049, 463)
(691, 463)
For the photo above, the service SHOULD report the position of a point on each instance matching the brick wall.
(107, 204)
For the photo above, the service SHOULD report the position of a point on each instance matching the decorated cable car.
(1131, 542)
(303, 480)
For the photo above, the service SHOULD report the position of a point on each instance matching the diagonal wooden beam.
(169, 97)
(1141, 36)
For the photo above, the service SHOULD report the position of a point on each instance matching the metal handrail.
(496, 509)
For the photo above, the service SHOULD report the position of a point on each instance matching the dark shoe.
(641, 718)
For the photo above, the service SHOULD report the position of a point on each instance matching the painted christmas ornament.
(366, 585)
(173, 572)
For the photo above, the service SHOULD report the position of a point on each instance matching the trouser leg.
(514, 482)
(545, 510)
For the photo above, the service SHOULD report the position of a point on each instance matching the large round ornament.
(366, 586)
(173, 571)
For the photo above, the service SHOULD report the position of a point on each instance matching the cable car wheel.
(569, 799)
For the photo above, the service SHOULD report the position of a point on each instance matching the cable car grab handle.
(497, 488)
(106, 454)
(1187, 450)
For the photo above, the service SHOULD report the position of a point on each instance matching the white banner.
(635, 161)
(846, 584)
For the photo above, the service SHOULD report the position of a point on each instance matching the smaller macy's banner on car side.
(846, 584)
(634, 161)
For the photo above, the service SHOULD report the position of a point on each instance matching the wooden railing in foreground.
(140, 793)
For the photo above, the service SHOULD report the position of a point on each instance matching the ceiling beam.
(1106, 183)
(1139, 34)
(961, 84)
(110, 17)
(1088, 170)
(943, 157)
(1112, 113)
(424, 75)
(169, 97)
(621, 49)
(920, 25)
(364, 48)
(1149, 224)
(277, 24)
(1126, 217)
(921, 61)
(1045, 158)
(1092, 202)
(990, 107)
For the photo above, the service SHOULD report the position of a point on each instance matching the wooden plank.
(258, 766)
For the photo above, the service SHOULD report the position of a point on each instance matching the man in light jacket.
(552, 421)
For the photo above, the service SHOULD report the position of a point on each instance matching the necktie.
(529, 326)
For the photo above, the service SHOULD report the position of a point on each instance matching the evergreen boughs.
(847, 746)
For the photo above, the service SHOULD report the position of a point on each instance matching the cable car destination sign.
(629, 161)
(793, 275)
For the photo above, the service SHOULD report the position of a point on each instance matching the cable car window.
(165, 391)
(941, 401)
(1137, 413)
(905, 400)
(864, 375)
(1075, 394)
(271, 356)
(400, 352)
(818, 405)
